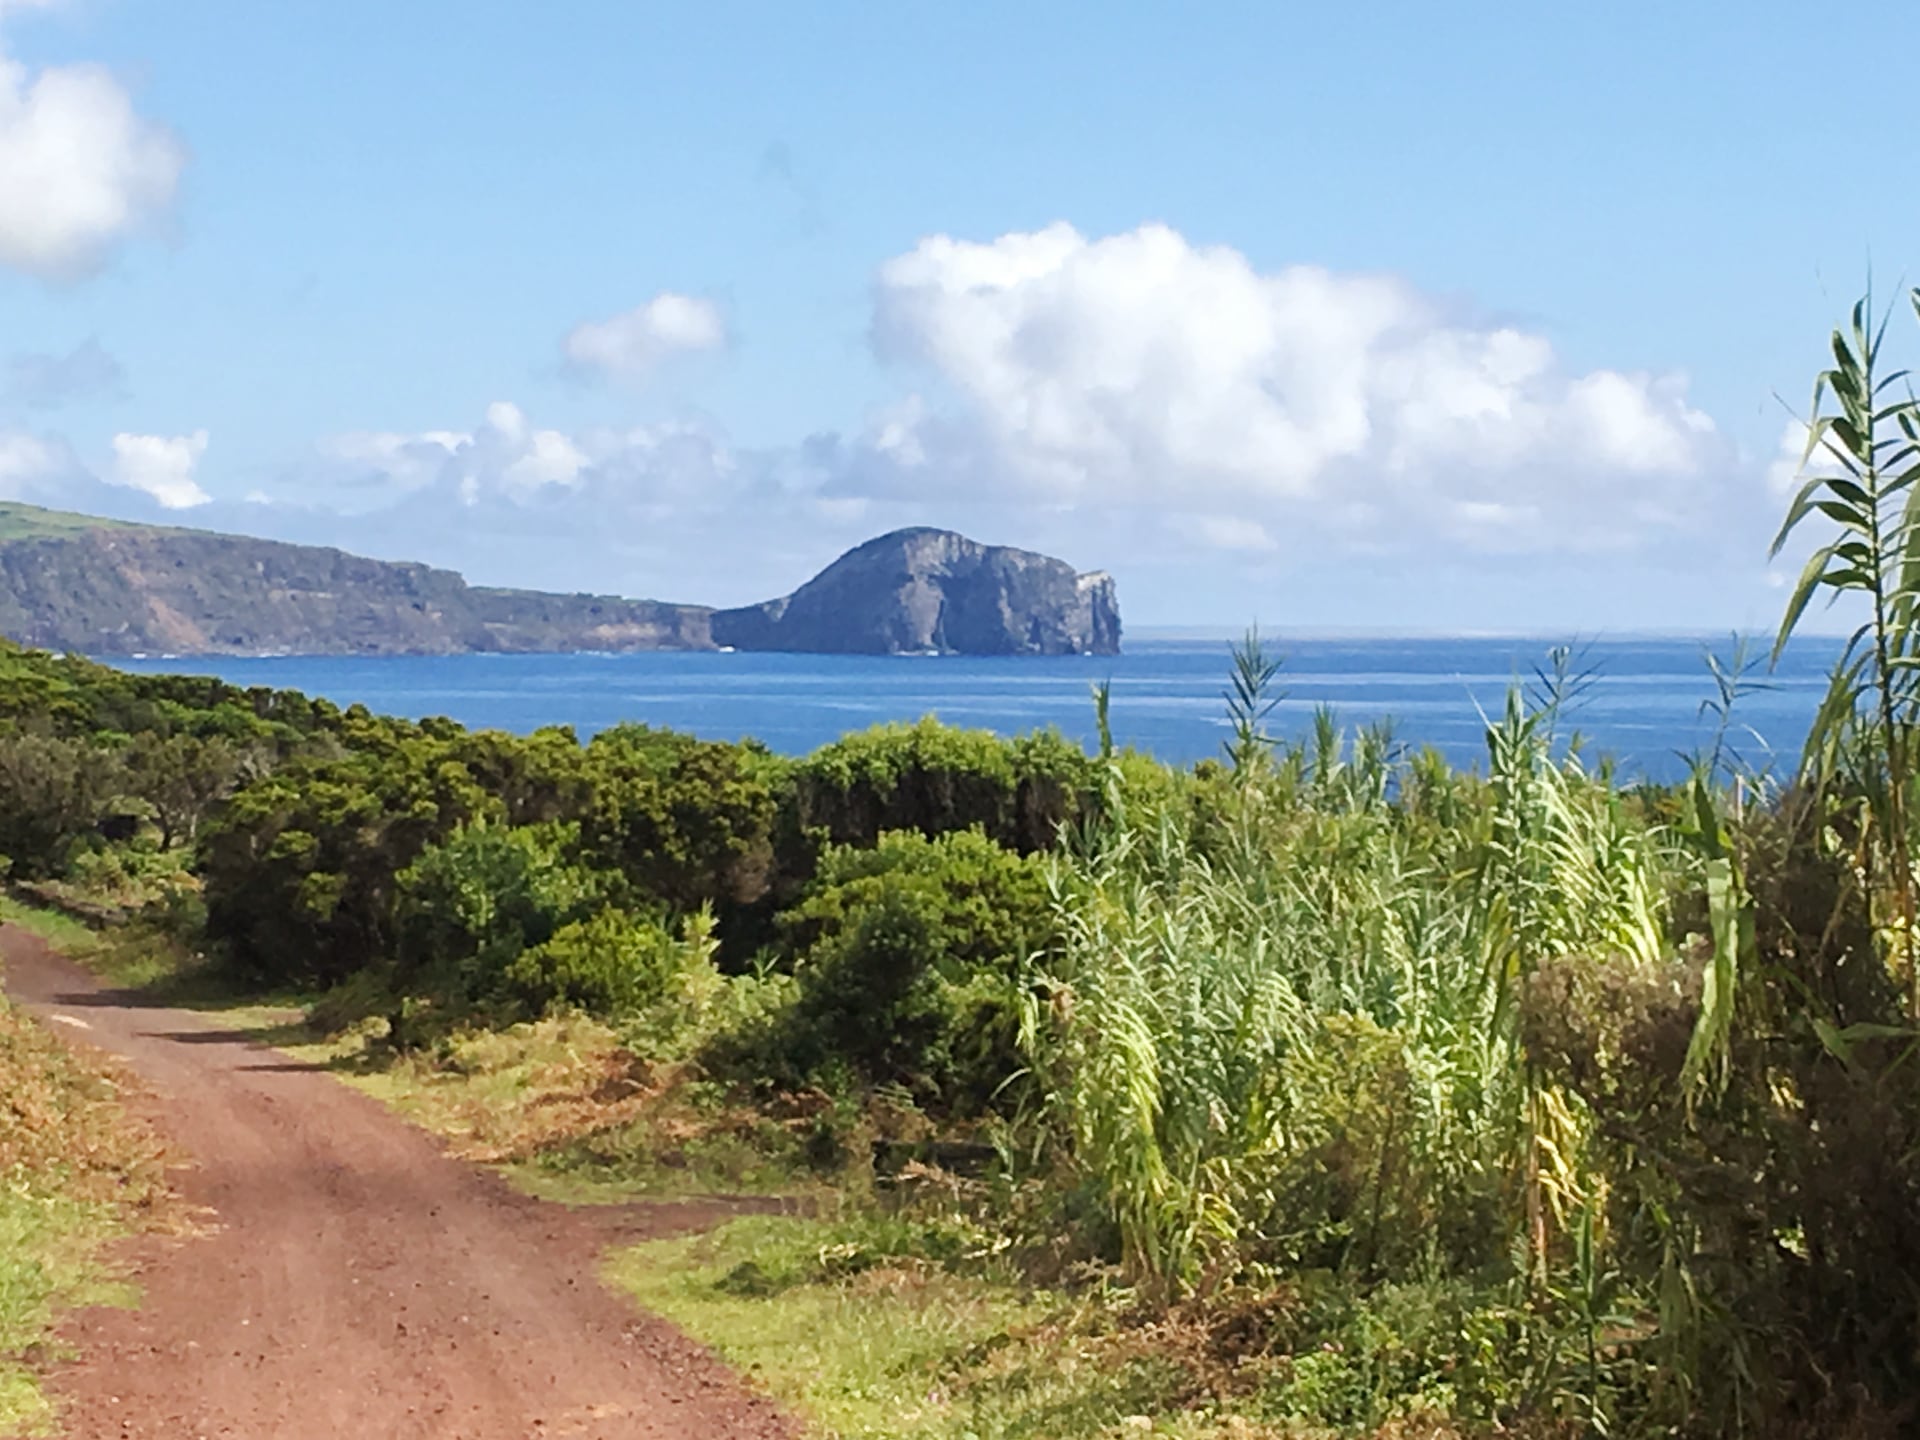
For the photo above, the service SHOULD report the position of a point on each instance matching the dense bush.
(909, 958)
(472, 904)
(182, 777)
(52, 791)
(933, 778)
(301, 868)
(618, 964)
(72, 696)
(688, 822)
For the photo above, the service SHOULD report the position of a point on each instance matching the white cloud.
(1142, 370)
(629, 345)
(1792, 466)
(1117, 401)
(29, 465)
(162, 466)
(79, 168)
(507, 460)
(394, 463)
(1784, 471)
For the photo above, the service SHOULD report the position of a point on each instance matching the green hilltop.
(33, 522)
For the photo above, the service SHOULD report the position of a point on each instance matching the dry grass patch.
(568, 1110)
(76, 1170)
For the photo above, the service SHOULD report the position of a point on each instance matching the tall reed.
(1283, 1028)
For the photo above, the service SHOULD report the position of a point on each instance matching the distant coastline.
(79, 583)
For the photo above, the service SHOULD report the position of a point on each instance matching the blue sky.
(1394, 316)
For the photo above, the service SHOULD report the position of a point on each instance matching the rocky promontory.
(71, 582)
(932, 591)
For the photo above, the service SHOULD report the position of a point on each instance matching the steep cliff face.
(125, 590)
(68, 582)
(932, 590)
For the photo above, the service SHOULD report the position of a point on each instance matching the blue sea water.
(1642, 707)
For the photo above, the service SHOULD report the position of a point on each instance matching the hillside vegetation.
(1323, 1089)
(31, 522)
(69, 582)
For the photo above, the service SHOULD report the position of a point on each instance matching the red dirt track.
(353, 1281)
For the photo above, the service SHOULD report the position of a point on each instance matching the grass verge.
(873, 1327)
(63, 932)
(75, 1172)
(561, 1105)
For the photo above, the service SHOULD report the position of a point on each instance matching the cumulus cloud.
(79, 168)
(1135, 401)
(507, 460)
(631, 344)
(45, 470)
(162, 466)
(42, 381)
(1140, 369)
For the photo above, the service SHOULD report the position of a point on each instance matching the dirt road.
(355, 1282)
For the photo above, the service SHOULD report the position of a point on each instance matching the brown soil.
(351, 1279)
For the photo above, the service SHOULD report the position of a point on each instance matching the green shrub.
(51, 793)
(301, 866)
(908, 958)
(471, 904)
(1360, 1360)
(688, 822)
(935, 778)
(618, 964)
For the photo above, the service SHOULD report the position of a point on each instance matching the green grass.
(49, 1262)
(556, 1105)
(867, 1344)
(62, 932)
(74, 1173)
(31, 522)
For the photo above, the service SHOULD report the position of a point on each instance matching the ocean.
(1642, 707)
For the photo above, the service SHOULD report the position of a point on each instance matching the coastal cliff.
(920, 590)
(70, 582)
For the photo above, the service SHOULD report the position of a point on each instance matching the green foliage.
(933, 778)
(301, 868)
(1354, 1362)
(618, 964)
(471, 904)
(75, 697)
(689, 822)
(52, 791)
(182, 777)
(1861, 462)
(538, 779)
(908, 959)
(1296, 1044)
(1251, 701)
